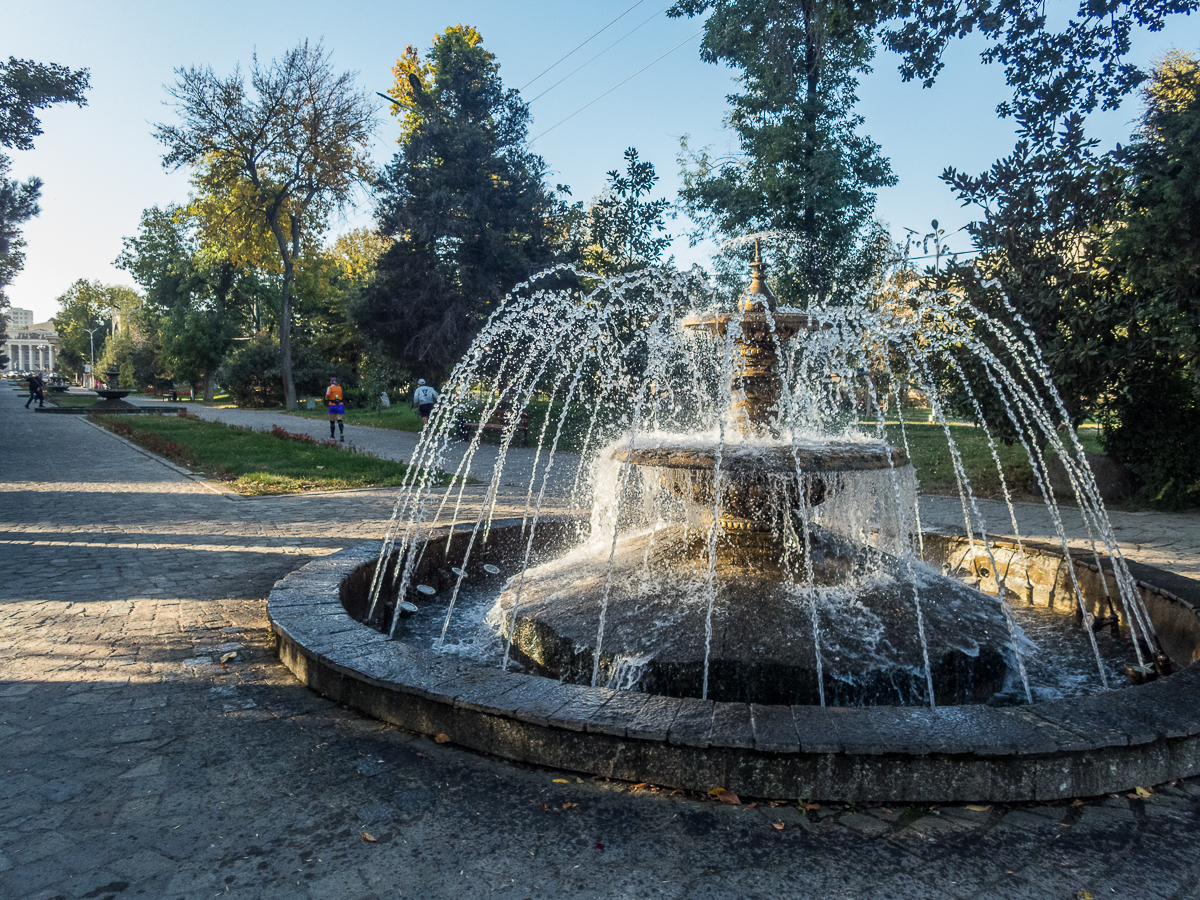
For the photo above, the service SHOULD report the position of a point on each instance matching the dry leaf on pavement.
(366, 837)
(442, 738)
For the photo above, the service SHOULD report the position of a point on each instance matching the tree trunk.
(210, 384)
(285, 336)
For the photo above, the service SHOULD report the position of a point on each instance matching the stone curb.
(1097, 744)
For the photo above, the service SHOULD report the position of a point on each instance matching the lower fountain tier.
(762, 649)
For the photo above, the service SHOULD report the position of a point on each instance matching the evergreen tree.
(463, 201)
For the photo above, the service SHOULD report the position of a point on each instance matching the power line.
(597, 56)
(615, 86)
(601, 31)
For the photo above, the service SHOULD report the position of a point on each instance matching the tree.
(463, 201)
(803, 167)
(203, 298)
(25, 87)
(86, 305)
(278, 156)
(1153, 412)
(620, 229)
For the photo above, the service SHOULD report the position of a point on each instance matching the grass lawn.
(399, 416)
(254, 462)
(70, 400)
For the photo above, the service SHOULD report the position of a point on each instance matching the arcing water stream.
(746, 529)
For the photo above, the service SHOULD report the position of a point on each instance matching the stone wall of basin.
(1101, 743)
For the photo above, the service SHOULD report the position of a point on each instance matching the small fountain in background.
(746, 518)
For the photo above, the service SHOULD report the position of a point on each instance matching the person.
(35, 390)
(337, 408)
(423, 400)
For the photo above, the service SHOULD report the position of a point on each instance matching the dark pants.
(37, 395)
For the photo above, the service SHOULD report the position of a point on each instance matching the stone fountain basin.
(1092, 745)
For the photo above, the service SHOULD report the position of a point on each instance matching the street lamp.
(92, 346)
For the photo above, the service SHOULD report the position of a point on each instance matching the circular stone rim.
(843, 457)
(1102, 743)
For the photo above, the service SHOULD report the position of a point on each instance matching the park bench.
(499, 420)
(167, 393)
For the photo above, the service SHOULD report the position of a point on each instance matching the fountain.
(739, 592)
(112, 401)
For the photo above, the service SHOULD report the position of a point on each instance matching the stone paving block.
(774, 729)
(692, 726)
(731, 726)
(654, 719)
(615, 716)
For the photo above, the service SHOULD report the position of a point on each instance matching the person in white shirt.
(423, 400)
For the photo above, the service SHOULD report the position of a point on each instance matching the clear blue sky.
(102, 167)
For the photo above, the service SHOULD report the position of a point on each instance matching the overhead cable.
(601, 31)
(615, 86)
(598, 55)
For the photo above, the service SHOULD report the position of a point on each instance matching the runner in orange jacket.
(337, 407)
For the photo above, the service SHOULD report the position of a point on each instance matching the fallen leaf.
(778, 826)
(442, 738)
(545, 808)
(750, 806)
(812, 805)
(1077, 803)
(366, 837)
(640, 784)
(1144, 792)
(886, 810)
(569, 805)
(729, 798)
(561, 781)
(599, 846)
(1083, 895)
(420, 754)
(226, 657)
(976, 808)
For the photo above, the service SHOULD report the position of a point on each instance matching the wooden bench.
(499, 420)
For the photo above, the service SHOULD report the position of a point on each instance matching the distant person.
(423, 400)
(337, 408)
(37, 392)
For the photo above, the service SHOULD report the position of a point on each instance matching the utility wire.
(615, 86)
(597, 56)
(601, 31)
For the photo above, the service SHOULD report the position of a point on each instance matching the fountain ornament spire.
(758, 294)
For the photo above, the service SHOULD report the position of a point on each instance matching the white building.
(31, 347)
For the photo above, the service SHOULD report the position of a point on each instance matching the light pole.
(92, 347)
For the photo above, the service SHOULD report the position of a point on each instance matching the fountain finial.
(757, 294)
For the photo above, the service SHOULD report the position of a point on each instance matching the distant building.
(31, 347)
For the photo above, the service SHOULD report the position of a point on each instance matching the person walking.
(36, 391)
(337, 408)
(423, 400)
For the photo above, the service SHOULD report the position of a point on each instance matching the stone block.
(774, 729)
(693, 723)
(731, 726)
(615, 716)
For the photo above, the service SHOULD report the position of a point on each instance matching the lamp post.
(92, 347)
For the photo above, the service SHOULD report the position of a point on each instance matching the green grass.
(931, 457)
(70, 400)
(399, 416)
(255, 462)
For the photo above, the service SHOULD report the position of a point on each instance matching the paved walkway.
(134, 764)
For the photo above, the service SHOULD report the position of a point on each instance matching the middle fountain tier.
(758, 564)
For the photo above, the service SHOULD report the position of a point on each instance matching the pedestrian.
(36, 391)
(337, 408)
(423, 400)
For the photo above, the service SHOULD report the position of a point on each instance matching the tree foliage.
(25, 88)
(1153, 415)
(463, 203)
(203, 298)
(277, 156)
(89, 304)
(803, 166)
(621, 228)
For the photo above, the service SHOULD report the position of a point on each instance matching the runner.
(334, 397)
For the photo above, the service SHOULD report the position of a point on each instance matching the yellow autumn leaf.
(973, 807)
(561, 781)
(1144, 792)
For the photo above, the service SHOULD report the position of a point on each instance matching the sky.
(102, 167)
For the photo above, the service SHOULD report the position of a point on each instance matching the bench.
(166, 393)
(499, 420)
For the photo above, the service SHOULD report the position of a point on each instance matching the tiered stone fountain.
(767, 625)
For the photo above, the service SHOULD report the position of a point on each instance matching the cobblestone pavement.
(133, 763)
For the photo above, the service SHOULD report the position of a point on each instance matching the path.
(133, 765)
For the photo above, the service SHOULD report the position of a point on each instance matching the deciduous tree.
(803, 167)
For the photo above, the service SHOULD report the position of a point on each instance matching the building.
(31, 347)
